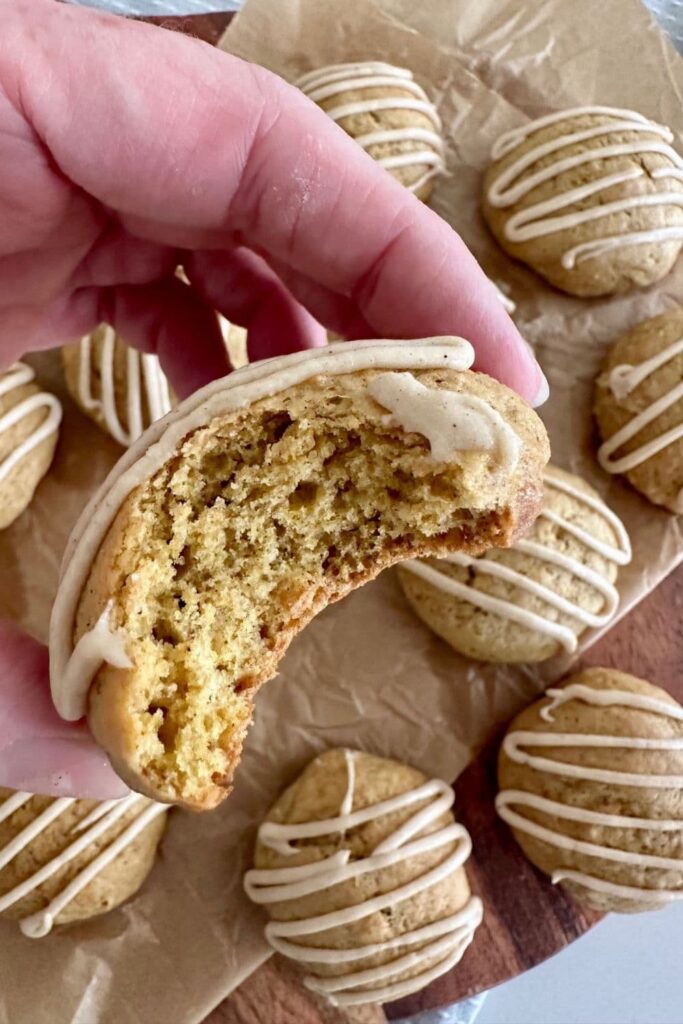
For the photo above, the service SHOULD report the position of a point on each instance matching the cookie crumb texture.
(257, 522)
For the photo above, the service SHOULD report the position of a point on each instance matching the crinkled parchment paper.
(366, 672)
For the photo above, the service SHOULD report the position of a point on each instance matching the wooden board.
(526, 919)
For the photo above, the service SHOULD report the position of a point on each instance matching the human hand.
(127, 150)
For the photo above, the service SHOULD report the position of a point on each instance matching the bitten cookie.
(263, 498)
(121, 389)
(29, 427)
(591, 783)
(639, 409)
(387, 113)
(590, 198)
(64, 860)
(360, 865)
(534, 599)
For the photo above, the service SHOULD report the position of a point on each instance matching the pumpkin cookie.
(387, 113)
(590, 198)
(121, 389)
(260, 500)
(534, 599)
(29, 426)
(591, 783)
(375, 901)
(639, 409)
(67, 860)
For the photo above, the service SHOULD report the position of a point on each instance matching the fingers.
(198, 149)
(39, 753)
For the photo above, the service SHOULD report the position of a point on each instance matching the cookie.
(121, 389)
(360, 866)
(263, 498)
(29, 428)
(590, 198)
(64, 860)
(591, 784)
(387, 113)
(534, 599)
(639, 409)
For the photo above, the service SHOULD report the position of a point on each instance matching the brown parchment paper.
(366, 672)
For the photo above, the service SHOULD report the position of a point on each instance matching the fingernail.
(543, 391)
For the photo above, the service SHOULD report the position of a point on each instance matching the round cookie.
(375, 902)
(532, 600)
(64, 860)
(29, 427)
(387, 113)
(639, 409)
(590, 198)
(260, 500)
(121, 389)
(591, 783)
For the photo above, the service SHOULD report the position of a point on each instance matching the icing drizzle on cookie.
(518, 744)
(446, 939)
(85, 833)
(143, 373)
(17, 376)
(619, 554)
(624, 379)
(339, 78)
(513, 183)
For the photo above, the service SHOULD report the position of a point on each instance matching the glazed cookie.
(534, 599)
(385, 110)
(121, 389)
(360, 864)
(590, 198)
(64, 860)
(29, 426)
(591, 783)
(639, 409)
(260, 500)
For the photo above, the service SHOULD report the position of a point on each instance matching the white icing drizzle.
(88, 831)
(339, 78)
(446, 939)
(141, 368)
(98, 644)
(509, 609)
(547, 217)
(506, 302)
(241, 388)
(451, 421)
(17, 376)
(516, 745)
(624, 379)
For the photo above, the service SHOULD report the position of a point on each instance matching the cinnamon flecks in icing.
(16, 377)
(143, 372)
(336, 79)
(85, 833)
(243, 387)
(446, 939)
(451, 421)
(509, 609)
(624, 379)
(517, 745)
(551, 215)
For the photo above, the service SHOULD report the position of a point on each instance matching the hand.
(126, 150)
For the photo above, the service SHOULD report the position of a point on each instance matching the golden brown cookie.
(64, 860)
(265, 497)
(532, 600)
(387, 113)
(376, 902)
(29, 428)
(639, 409)
(121, 389)
(590, 781)
(590, 198)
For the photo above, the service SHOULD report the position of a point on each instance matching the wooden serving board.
(526, 919)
